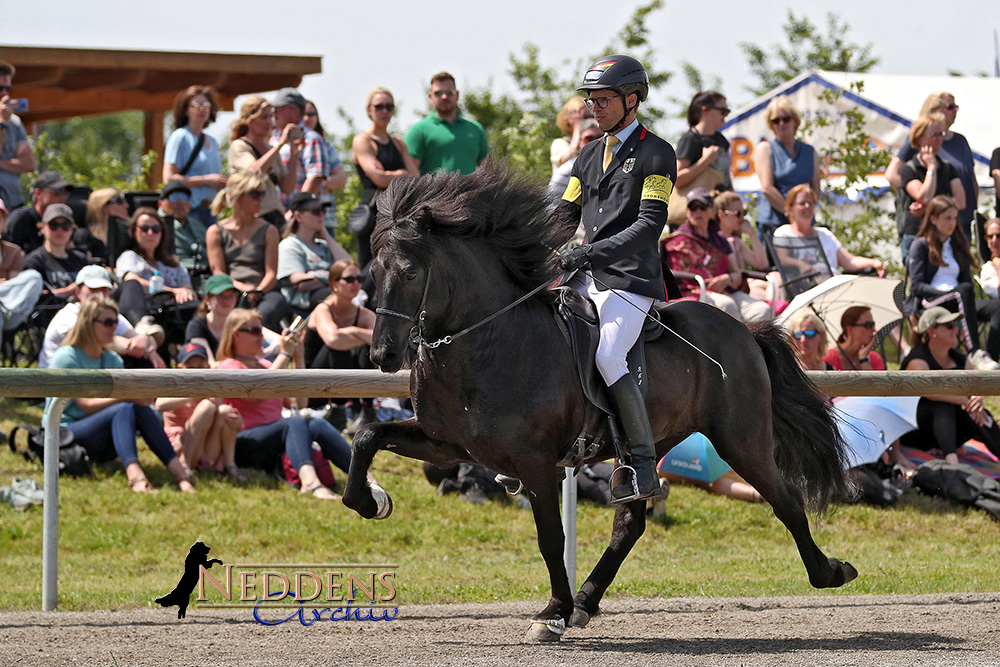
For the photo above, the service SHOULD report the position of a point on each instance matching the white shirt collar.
(624, 133)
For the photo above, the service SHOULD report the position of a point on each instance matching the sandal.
(142, 485)
(321, 492)
(234, 471)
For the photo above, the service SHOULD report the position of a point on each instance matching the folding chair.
(800, 261)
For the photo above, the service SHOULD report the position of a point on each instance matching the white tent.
(890, 104)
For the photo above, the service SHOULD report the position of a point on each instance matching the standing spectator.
(19, 288)
(16, 157)
(21, 227)
(446, 140)
(310, 119)
(106, 427)
(191, 156)
(306, 253)
(249, 150)
(702, 152)
(57, 263)
(569, 120)
(106, 234)
(318, 161)
(953, 149)
(379, 158)
(995, 173)
(781, 164)
(925, 176)
(246, 247)
(174, 208)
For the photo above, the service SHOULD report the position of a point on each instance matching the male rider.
(618, 190)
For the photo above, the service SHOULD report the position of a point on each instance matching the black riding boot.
(635, 421)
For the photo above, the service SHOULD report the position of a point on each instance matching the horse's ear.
(423, 217)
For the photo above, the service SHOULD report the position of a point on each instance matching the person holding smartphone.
(16, 157)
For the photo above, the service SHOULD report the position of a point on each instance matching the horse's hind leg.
(549, 623)
(404, 438)
(629, 524)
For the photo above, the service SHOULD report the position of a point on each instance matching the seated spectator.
(192, 156)
(589, 131)
(306, 253)
(21, 227)
(266, 435)
(19, 288)
(105, 236)
(188, 233)
(946, 422)
(246, 248)
(809, 336)
(106, 427)
(853, 349)
(698, 247)
(202, 430)
(989, 309)
(940, 269)
(731, 215)
(210, 319)
(56, 261)
(138, 350)
(249, 150)
(571, 121)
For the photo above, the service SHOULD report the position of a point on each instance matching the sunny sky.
(399, 44)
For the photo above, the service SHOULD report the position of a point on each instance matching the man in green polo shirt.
(445, 140)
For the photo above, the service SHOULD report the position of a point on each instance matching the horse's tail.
(808, 447)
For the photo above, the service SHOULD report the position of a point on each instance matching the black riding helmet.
(623, 74)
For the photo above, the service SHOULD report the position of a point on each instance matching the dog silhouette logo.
(180, 596)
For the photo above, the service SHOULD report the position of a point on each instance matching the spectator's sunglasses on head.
(117, 199)
(808, 333)
(178, 198)
(108, 322)
(351, 279)
(385, 107)
(698, 206)
(64, 225)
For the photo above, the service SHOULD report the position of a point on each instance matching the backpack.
(959, 483)
(73, 458)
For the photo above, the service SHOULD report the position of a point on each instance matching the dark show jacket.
(624, 211)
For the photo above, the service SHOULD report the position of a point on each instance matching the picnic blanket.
(973, 453)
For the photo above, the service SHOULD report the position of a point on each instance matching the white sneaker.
(983, 361)
(148, 326)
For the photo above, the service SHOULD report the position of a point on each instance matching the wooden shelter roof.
(62, 83)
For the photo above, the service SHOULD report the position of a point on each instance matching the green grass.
(119, 549)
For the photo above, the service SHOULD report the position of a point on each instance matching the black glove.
(575, 258)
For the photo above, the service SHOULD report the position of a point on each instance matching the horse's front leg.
(404, 438)
(549, 624)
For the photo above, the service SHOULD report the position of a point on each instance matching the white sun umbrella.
(869, 424)
(832, 297)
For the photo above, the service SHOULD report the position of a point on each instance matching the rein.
(417, 332)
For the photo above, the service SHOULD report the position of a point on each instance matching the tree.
(807, 49)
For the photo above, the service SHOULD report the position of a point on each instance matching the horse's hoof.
(850, 572)
(579, 618)
(382, 501)
(550, 630)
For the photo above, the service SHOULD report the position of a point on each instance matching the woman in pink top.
(853, 351)
(266, 435)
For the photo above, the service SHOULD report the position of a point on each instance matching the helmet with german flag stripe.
(622, 73)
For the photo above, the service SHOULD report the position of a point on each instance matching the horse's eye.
(410, 275)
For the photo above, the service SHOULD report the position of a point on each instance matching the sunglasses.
(599, 102)
(444, 93)
(781, 119)
(256, 194)
(117, 199)
(808, 333)
(949, 107)
(178, 198)
(725, 110)
(200, 105)
(865, 325)
(698, 206)
(384, 107)
(253, 331)
(108, 322)
(738, 214)
(150, 229)
(7, 89)
(351, 279)
(310, 114)
(64, 225)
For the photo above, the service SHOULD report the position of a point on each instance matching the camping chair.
(800, 261)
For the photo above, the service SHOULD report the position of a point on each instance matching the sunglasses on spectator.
(310, 114)
(178, 198)
(949, 107)
(443, 93)
(599, 102)
(351, 279)
(256, 194)
(870, 324)
(6, 89)
(253, 331)
(108, 322)
(384, 107)
(738, 214)
(150, 229)
(117, 199)
(725, 110)
(808, 333)
(698, 206)
(64, 225)
(200, 105)
(948, 325)
(781, 119)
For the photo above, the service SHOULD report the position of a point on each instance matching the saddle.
(577, 319)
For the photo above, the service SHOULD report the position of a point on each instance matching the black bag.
(361, 219)
(959, 483)
(73, 458)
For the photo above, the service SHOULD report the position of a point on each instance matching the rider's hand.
(575, 258)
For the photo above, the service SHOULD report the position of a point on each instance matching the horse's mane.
(492, 204)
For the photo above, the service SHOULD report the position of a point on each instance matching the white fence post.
(569, 526)
(50, 509)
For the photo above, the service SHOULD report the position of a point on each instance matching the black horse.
(452, 250)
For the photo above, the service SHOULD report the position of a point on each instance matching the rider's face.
(607, 117)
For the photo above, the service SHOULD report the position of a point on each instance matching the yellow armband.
(574, 191)
(657, 187)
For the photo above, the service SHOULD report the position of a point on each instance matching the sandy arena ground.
(958, 629)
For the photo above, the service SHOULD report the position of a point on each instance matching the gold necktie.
(609, 154)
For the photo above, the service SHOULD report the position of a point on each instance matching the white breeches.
(621, 324)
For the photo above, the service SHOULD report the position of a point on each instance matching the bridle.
(417, 332)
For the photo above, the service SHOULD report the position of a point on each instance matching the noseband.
(417, 332)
